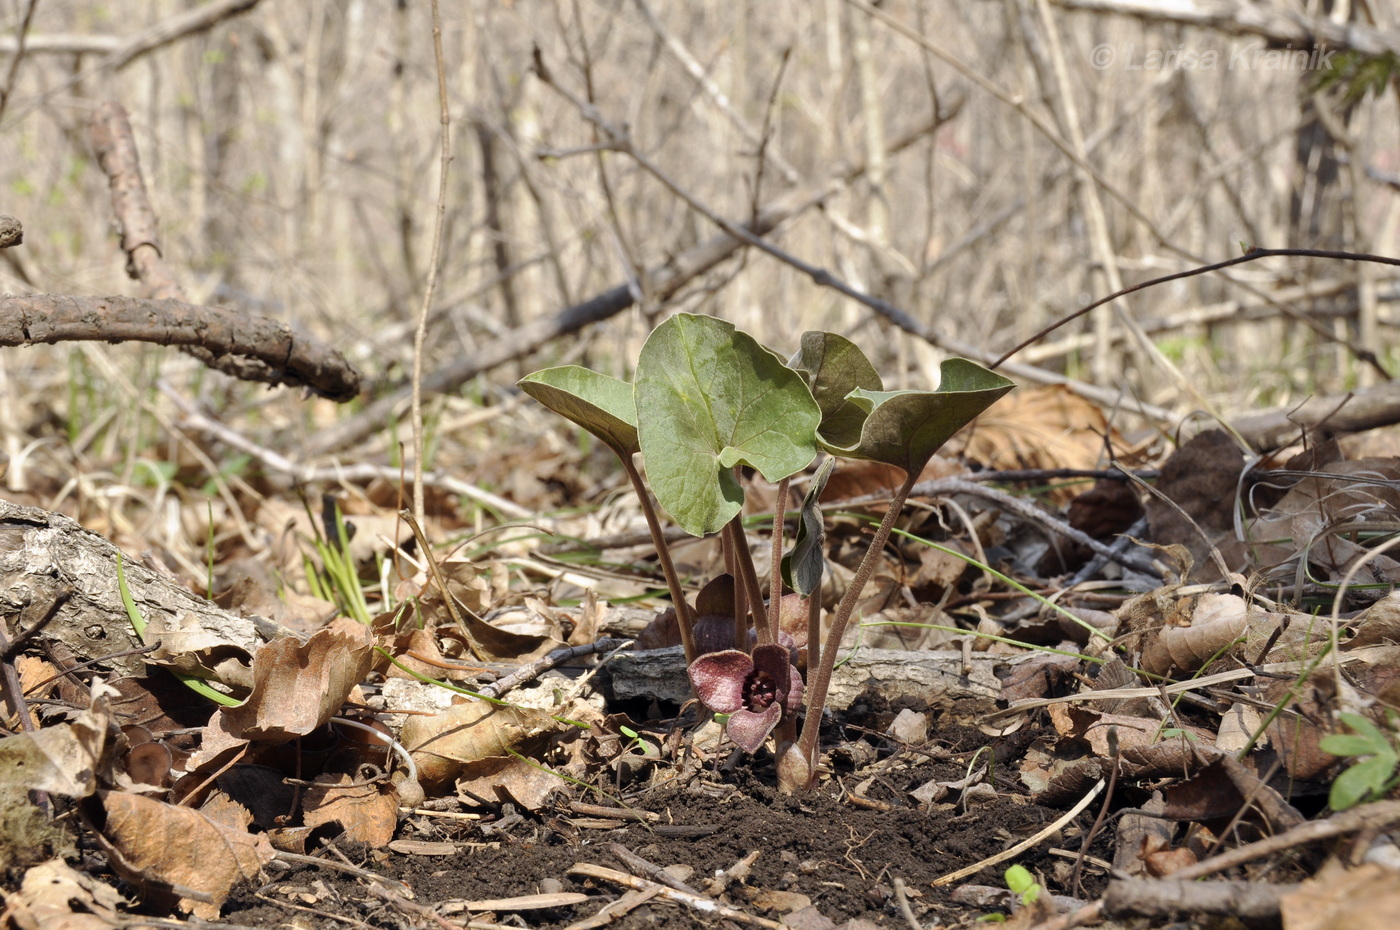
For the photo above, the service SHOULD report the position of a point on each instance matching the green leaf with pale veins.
(835, 367)
(601, 404)
(905, 428)
(710, 397)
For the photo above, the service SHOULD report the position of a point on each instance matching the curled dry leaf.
(365, 813)
(1217, 621)
(54, 896)
(65, 759)
(297, 687)
(446, 746)
(169, 850)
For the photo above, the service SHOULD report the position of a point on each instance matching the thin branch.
(1275, 22)
(279, 354)
(420, 333)
(246, 347)
(662, 282)
(21, 47)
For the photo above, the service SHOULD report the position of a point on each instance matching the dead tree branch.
(121, 52)
(280, 356)
(662, 282)
(251, 348)
(1274, 22)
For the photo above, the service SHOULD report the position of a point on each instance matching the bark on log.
(41, 552)
(935, 677)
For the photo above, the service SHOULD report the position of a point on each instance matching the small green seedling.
(709, 399)
(1021, 882)
(1373, 775)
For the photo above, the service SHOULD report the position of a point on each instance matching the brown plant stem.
(684, 620)
(748, 577)
(814, 629)
(821, 678)
(775, 595)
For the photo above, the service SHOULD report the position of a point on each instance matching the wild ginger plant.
(708, 399)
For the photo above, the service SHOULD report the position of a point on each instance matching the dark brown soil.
(842, 856)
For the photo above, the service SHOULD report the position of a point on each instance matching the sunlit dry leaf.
(1379, 623)
(1217, 621)
(297, 686)
(1130, 732)
(444, 745)
(512, 780)
(1364, 898)
(366, 813)
(1039, 427)
(54, 896)
(64, 759)
(166, 849)
(201, 647)
(33, 670)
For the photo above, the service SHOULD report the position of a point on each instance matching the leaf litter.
(1223, 707)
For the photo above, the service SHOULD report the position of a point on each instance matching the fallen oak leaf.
(365, 812)
(297, 688)
(174, 852)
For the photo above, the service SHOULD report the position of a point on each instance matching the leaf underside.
(601, 404)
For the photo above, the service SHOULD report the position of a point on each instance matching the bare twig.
(251, 348)
(421, 331)
(551, 660)
(1028, 512)
(21, 40)
(695, 902)
(1276, 22)
(662, 282)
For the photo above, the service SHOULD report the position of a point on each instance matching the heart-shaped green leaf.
(600, 404)
(905, 428)
(710, 397)
(835, 367)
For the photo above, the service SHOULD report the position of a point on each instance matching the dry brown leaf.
(1038, 427)
(170, 850)
(1305, 515)
(64, 759)
(298, 687)
(445, 744)
(1379, 623)
(1296, 736)
(1217, 621)
(510, 779)
(54, 896)
(1132, 732)
(906, 628)
(1364, 898)
(366, 813)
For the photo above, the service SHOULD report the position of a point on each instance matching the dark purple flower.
(753, 690)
